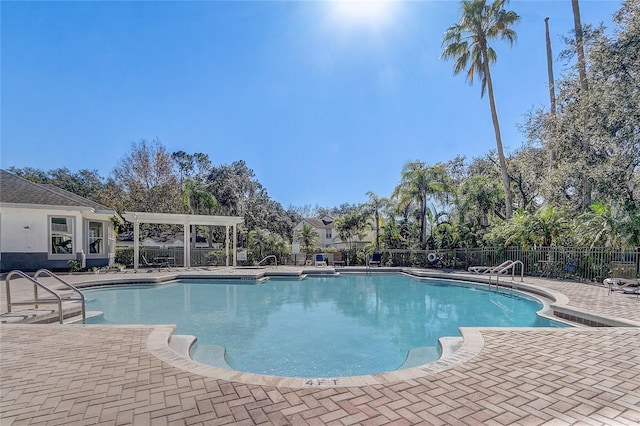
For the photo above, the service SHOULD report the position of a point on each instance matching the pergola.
(186, 220)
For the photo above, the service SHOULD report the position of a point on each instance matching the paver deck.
(82, 374)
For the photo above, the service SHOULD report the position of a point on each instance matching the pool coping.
(555, 304)
(163, 344)
(158, 343)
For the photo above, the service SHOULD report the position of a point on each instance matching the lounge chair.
(632, 290)
(147, 264)
(320, 260)
(623, 271)
(619, 284)
(375, 258)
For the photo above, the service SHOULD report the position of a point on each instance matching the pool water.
(319, 326)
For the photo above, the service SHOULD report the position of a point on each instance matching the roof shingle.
(17, 190)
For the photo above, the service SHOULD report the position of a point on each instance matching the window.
(61, 232)
(328, 234)
(96, 238)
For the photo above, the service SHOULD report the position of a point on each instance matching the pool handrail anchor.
(275, 259)
(57, 297)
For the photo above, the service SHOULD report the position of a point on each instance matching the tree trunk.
(377, 231)
(577, 24)
(552, 90)
(423, 226)
(552, 98)
(584, 87)
(496, 127)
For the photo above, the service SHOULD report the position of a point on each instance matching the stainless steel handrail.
(509, 266)
(36, 302)
(82, 299)
(275, 259)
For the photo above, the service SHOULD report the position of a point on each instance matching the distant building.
(329, 236)
(43, 226)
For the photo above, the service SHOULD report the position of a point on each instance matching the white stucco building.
(43, 226)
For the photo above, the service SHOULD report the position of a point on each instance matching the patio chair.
(622, 274)
(570, 267)
(375, 258)
(320, 260)
(337, 259)
(148, 264)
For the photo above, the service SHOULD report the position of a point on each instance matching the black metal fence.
(584, 264)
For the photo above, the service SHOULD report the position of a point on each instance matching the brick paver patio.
(77, 374)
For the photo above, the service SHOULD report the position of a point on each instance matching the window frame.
(102, 237)
(71, 223)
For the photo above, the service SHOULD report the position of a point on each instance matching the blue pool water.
(317, 327)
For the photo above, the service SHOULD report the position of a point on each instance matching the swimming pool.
(319, 326)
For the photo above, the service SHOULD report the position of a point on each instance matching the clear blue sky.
(324, 101)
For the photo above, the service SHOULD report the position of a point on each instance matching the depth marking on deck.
(324, 382)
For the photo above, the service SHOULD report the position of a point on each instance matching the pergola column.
(235, 245)
(226, 245)
(186, 221)
(136, 245)
(186, 252)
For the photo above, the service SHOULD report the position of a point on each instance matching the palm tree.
(606, 224)
(373, 206)
(577, 25)
(468, 43)
(418, 182)
(584, 87)
(552, 95)
(308, 236)
(478, 197)
(413, 188)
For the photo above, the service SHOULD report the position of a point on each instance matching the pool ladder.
(275, 259)
(510, 266)
(56, 299)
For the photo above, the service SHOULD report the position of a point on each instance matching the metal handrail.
(82, 299)
(37, 301)
(275, 259)
(510, 265)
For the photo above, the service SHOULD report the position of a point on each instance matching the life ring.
(432, 257)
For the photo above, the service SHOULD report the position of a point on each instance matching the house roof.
(318, 223)
(17, 190)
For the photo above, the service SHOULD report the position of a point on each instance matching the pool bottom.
(265, 321)
(216, 354)
(463, 350)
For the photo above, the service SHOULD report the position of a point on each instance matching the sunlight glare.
(373, 13)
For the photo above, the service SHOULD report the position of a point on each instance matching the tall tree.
(307, 236)
(552, 88)
(610, 112)
(85, 183)
(582, 63)
(418, 183)
(351, 227)
(468, 43)
(373, 206)
(147, 179)
(584, 88)
(197, 200)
